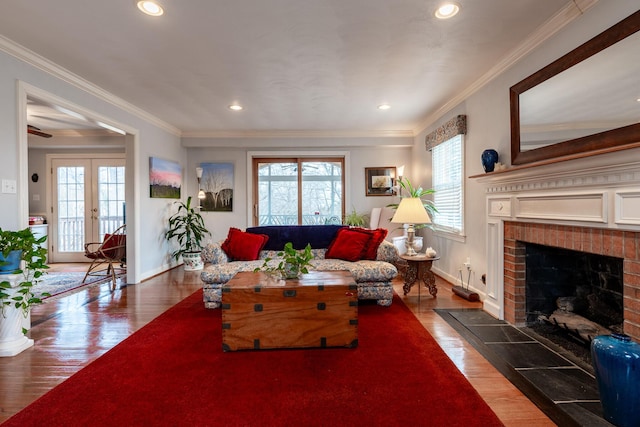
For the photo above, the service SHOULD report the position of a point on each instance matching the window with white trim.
(447, 181)
(298, 191)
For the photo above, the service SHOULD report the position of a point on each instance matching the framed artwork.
(380, 181)
(217, 184)
(165, 178)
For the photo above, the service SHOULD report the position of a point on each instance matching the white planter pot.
(192, 261)
(12, 340)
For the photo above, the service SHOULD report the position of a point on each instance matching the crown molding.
(83, 133)
(301, 134)
(43, 64)
(557, 22)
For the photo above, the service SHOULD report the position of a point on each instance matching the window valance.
(455, 126)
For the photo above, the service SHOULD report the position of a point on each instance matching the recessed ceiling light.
(150, 7)
(384, 106)
(447, 10)
(235, 107)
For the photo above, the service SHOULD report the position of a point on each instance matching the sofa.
(372, 271)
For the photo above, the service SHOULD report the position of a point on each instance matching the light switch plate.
(9, 186)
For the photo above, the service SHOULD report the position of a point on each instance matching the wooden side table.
(419, 268)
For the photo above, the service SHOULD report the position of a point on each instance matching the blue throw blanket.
(319, 236)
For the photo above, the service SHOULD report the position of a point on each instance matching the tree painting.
(165, 178)
(217, 184)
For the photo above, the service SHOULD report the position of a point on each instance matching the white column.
(12, 320)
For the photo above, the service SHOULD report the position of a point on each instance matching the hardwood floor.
(73, 331)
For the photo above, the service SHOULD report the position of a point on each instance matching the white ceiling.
(295, 65)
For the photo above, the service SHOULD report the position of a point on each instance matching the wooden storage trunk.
(318, 310)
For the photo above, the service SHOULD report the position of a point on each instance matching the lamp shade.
(411, 211)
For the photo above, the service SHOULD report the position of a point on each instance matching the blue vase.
(489, 158)
(616, 360)
(11, 263)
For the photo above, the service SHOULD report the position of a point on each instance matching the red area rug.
(173, 372)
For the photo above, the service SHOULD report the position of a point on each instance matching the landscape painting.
(217, 184)
(165, 178)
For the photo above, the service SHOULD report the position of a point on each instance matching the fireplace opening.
(571, 296)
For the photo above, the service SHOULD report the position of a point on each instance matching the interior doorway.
(128, 142)
(88, 201)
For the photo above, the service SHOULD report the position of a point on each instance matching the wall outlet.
(467, 263)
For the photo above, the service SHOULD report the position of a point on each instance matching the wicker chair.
(108, 257)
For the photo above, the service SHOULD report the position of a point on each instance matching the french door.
(88, 200)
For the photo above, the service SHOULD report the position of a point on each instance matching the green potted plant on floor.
(292, 262)
(186, 226)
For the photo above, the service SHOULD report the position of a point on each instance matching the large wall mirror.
(584, 103)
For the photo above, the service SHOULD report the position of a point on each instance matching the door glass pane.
(110, 198)
(277, 193)
(71, 209)
(321, 192)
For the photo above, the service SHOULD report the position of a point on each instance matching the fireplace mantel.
(616, 172)
(593, 197)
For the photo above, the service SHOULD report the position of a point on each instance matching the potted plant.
(293, 262)
(418, 192)
(16, 287)
(355, 219)
(186, 226)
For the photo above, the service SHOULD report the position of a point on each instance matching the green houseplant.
(418, 192)
(355, 219)
(186, 226)
(292, 264)
(18, 293)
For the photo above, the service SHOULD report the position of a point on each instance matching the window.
(298, 191)
(447, 166)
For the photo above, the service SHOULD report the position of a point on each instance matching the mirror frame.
(603, 142)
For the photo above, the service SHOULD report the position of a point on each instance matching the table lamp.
(411, 211)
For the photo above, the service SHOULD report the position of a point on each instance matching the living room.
(484, 101)
(486, 109)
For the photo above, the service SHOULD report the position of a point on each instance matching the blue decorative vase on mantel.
(489, 159)
(616, 360)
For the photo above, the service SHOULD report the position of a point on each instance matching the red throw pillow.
(377, 236)
(349, 245)
(243, 246)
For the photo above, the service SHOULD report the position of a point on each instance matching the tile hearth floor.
(567, 393)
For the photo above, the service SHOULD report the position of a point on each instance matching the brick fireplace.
(589, 205)
(609, 242)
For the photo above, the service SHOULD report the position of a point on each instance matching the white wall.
(145, 139)
(488, 119)
(358, 158)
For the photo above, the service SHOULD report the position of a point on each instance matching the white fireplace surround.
(601, 192)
